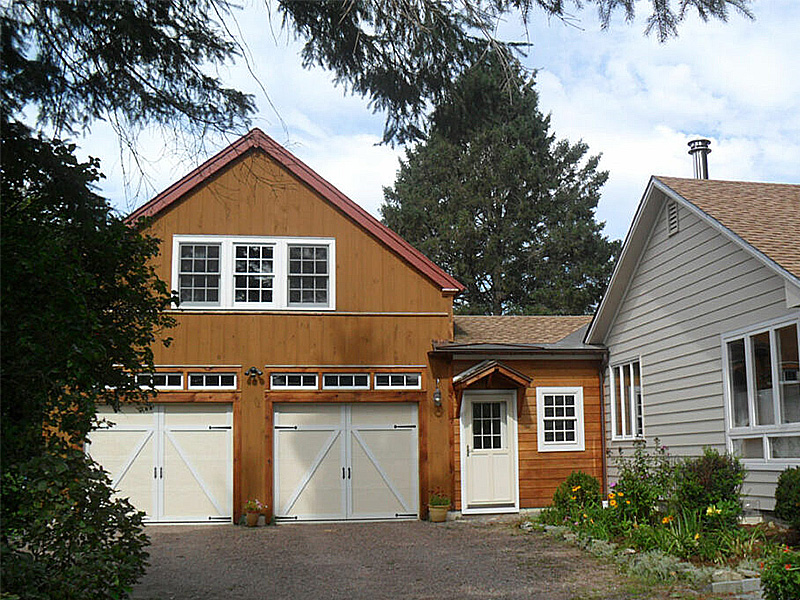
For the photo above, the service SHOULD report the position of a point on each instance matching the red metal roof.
(258, 140)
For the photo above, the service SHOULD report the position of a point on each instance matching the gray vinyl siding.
(687, 291)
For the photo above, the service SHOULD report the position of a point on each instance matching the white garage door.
(346, 461)
(174, 461)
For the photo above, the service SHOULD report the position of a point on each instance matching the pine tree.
(495, 199)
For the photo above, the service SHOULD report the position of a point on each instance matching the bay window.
(763, 392)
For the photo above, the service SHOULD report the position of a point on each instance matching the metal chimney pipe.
(699, 150)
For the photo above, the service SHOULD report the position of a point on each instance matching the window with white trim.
(160, 381)
(254, 273)
(212, 381)
(560, 426)
(762, 392)
(293, 381)
(345, 381)
(398, 381)
(627, 421)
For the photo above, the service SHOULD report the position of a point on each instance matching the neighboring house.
(701, 321)
(312, 366)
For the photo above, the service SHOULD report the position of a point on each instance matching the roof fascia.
(719, 227)
(256, 139)
(629, 258)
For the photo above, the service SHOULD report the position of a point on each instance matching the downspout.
(603, 365)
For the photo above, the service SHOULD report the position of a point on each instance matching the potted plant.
(253, 509)
(438, 505)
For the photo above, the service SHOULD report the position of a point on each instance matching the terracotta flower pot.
(437, 514)
(252, 519)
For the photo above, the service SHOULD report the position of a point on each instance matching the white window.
(398, 381)
(160, 381)
(560, 419)
(254, 273)
(626, 401)
(762, 392)
(293, 381)
(212, 381)
(345, 381)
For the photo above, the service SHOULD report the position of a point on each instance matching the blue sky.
(631, 99)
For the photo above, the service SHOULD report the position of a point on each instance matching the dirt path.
(420, 560)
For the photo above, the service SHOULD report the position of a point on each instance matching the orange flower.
(787, 567)
(667, 519)
(612, 502)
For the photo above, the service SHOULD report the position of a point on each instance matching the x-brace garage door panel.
(336, 461)
(173, 461)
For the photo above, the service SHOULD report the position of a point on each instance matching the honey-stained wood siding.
(387, 313)
(541, 472)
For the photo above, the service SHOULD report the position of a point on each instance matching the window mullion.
(776, 382)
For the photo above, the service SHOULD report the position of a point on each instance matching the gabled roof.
(762, 218)
(257, 140)
(512, 334)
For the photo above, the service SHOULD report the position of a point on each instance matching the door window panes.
(486, 425)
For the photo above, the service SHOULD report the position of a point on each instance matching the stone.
(726, 575)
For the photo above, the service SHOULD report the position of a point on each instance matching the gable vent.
(672, 217)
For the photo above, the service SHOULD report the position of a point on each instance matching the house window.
(293, 381)
(308, 275)
(559, 419)
(345, 381)
(254, 273)
(198, 274)
(626, 401)
(763, 392)
(160, 381)
(212, 381)
(398, 381)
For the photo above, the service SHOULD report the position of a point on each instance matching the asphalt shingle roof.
(765, 215)
(508, 329)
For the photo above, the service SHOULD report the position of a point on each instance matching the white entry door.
(173, 461)
(489, 473)
(346, 461)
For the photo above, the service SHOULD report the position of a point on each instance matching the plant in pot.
(253, 509)
(438, 505)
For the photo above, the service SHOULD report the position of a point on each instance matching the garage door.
(346, 461)
(174, 461)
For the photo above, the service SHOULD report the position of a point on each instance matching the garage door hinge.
(285, 426)
(405, 426)
(219, 426)
(293, 518)
(405, 515)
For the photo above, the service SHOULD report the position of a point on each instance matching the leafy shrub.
(780, 578)
(64, 536)
(579, 491)
(711, 480)
(644, 479)
(787, 496)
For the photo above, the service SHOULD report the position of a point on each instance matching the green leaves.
(493, 198)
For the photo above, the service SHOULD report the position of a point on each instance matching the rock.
(526, 526)
(726, 575)
(748, 573)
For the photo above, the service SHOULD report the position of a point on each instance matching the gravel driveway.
(420, 560)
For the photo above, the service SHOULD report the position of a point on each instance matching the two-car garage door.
(174, 461)
(346, 461)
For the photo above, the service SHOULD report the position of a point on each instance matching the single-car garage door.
(174, 461)
(346, 461)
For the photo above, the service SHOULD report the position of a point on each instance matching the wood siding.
(541, 472)
(686, 292)
(387, 314)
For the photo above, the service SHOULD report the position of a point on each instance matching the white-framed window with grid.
(398, 381)
(160, 381)
(762, 393)
(560, 426)
(214, 272)
(345, 381)
(212, 381)
(293, 381)
(627, 418)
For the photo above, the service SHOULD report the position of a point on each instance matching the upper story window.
(626, 401)
(263, 273)
(762, 392)
(560, 419)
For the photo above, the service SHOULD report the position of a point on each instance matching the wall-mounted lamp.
(254, 372)
(437, 395)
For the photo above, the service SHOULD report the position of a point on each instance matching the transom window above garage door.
(345, 381)
(160, 381)
(293, 381)
(398, 381)
(214, 381)
(261, 273)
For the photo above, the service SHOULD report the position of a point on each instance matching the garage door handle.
(219, 426)
(285, 426)
(155, 472)
(342, 472)
(405, 426)
(348, 472)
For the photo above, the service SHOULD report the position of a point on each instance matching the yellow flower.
(612, 502)
(585, 516)
(572, 497)
(713, 510)
(696, 536)
(591, 521)
(620, 494)
(667, 519)
(627, 501)
(611, 495)
(576, 488)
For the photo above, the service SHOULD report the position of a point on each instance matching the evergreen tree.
(496, 200)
